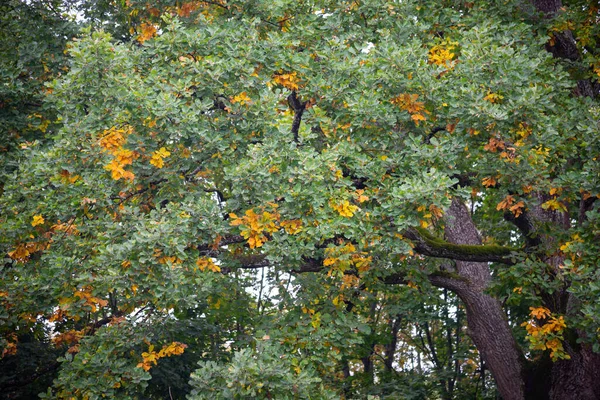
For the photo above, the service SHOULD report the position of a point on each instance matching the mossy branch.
(432, 246)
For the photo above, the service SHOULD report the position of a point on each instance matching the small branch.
(298, 107)
(435, 130)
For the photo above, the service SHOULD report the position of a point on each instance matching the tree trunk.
(576, 379)
(486, 322)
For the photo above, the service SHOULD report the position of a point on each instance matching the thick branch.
(429, 245)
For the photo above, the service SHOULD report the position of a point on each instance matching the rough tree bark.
(516, 378)
(486, 322)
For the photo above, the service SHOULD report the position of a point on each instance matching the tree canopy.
(301, 200)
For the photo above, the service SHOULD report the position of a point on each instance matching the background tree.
(345, 184)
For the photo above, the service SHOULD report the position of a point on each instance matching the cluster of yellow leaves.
(544, 331)
(69, 337)
(344, 208)
(360, 196)
(429, 213)
(151, 357)
(241, 98)
(554, 204)
(443, 54)
(508, 203)
(122, 157)
(494, 144)
(522, 133)
(256, 226)
(170, 260)
(493, 98)
(287, 80)
(292, 226)
(68, 228)
(112, 141)
(570, 247)
(23, 250)
(489, 181)
(596, 68)
(408, 102)
(58, 315)
(158, 157)
(37, 220)
(147, 31)
(207, 264)
(90, 300)
(342, 258)
(315, 316)
(113, 138)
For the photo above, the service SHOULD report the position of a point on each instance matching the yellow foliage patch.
(37, 220)
(158, 157)
(408, 102)
(151, 357)
(112, 141)
(443, 54)
(90, 300)
(186, 9)
(254, 226)
(493, 97)
(344, 208)
(23, 250)
(554, 204)
(489, 181)
(547, 334)
(288, 80)
(292, 226)
(241, 98)
(207, 264)
(69, 337)
(147, 31)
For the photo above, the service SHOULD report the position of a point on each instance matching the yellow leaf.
(505, 203)
(288, 80)
(517, 209)
(148, 31)
(554, 204)
(329, 261)
(37, 220)
(489, 181)
(158, 156)
(493, 97)
(241, 98)
(360, 197)
(345, 209)
(540, 312)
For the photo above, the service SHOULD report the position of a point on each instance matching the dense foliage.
(300, 199)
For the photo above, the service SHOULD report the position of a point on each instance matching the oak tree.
(304, 195)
